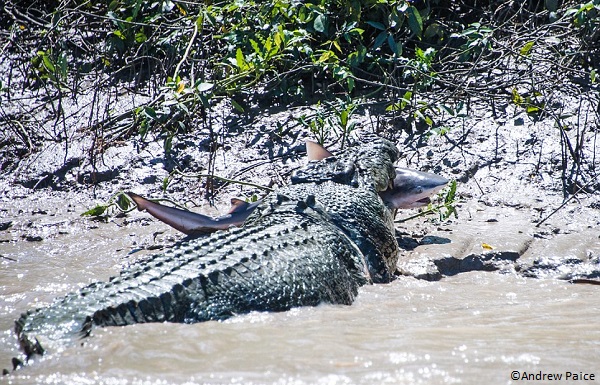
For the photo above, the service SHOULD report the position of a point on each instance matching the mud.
(512, 244)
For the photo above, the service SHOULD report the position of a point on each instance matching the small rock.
(5, 225)
(150, 179)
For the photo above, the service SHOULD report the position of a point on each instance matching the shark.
(409, 189)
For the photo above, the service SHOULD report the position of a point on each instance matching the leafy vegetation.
(414, 63)
(194, 53)
(120, 202)
(443, 210)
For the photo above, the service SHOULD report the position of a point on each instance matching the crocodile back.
(314, 241)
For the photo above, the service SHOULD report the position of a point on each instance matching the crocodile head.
(409, 188)
(369, 162)
(360, 189)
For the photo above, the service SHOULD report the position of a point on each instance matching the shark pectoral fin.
(185, 221)
(240, 211)
(314, 151)
(238, 205)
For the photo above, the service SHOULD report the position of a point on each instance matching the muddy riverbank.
(479, 295)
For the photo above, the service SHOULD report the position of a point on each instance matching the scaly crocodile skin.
(316, 240)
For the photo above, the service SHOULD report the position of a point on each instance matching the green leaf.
(393, 107)
(451, 193)
(351, 84)
(204, 100)
(380, 39)
(434, 30)
(168, 144)
(344, 117)
(150, 112)
(516, 98)
(165, 182)
(320, 23)
(593, 75)
(337, 46)
(526, 48)
(419, 114)
(415, 22)
(255, 46)
(395, 47)
(143, 129)
(325, 56)
(184, 108)
(358, 57)
(238, 107)
(359, 31)
(448, 109)
(340, 72)
(119, 34)
(62, 62)
(240, 61)
(377, 25)
(48, 63)
(278, 38)
(140, 37)
(96, 211)
(124, 202)
(404, 101)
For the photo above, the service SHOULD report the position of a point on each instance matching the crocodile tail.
(124, 300)
(33, 331)
(29, 347)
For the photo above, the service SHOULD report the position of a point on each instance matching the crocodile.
(314, 241)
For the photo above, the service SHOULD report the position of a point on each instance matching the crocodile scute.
(314, 241)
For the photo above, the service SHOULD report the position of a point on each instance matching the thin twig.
(227, 180)
(567, 201)
(187, 50)
(426, 212)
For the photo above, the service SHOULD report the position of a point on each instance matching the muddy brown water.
(471, 328)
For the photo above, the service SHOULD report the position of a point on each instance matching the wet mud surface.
(477, 297)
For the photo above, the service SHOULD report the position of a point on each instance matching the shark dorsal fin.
(238, 205)
(314, 151)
